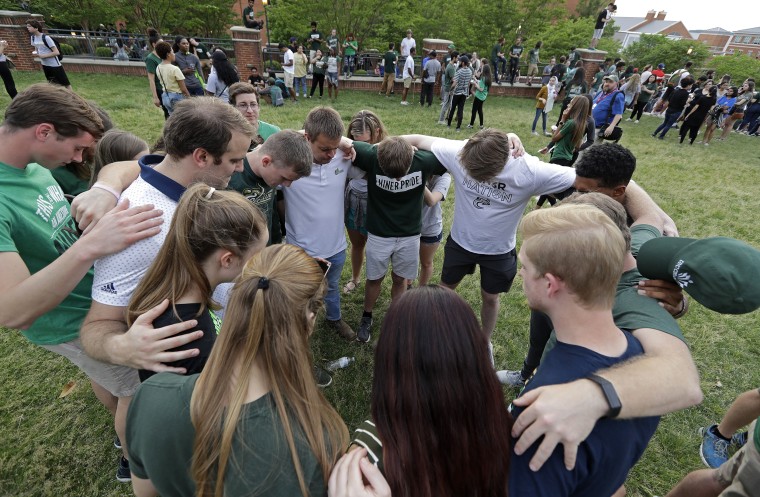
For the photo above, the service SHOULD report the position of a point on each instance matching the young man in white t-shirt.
(409, 76)
(46, 49)
(288, 65)
(492, 189)
(407, 44)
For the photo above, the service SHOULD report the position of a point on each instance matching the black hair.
(686, 81)
(608, 163)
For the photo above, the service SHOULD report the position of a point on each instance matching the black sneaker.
(116, 442)
(363, 335)
(324, 379)
(122, 473)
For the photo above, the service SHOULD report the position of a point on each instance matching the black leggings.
(692, 128)
(552, 199)
(477, 107)
(457, 103)
(638, 110)
(317, 78)
(10, 85)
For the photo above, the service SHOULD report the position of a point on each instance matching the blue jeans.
(169, 98)
(535, 119)
(196, 91)
(671, 116)
(496, 72)
(300, 82)
(332, 298)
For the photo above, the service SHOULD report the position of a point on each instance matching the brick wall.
(13, 30)
(247, 43)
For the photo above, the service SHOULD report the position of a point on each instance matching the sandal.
(350, 286)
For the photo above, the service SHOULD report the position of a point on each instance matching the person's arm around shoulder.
(24, 297)
(90, 206)
(640, 205)
(349, 474)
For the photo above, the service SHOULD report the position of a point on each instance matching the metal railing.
(79, 43)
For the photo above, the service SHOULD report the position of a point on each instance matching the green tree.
(739, 66)
(654, 49)
(590, 8)
(559, 37)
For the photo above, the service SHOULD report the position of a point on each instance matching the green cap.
(720, 273)
(451, 46)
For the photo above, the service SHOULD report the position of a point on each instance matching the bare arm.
(640, 205)
(424, 142)
(153, 92)
(105, 336)
(90, 206)
(567, 413)
(24, 297)
(143, 488)
(432, 198)
(183, 88)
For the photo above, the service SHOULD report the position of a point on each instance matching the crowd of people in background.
(193, 325)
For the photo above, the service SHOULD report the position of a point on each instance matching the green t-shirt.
(482, 92)
(644, 96)
(495, 51)
(351, 47)
(564, 147)
(152, 61)
(314, 38)
(533, 55)
(390, 61)
(257, 191)
(161, 434)
(450, 72)
(36, 223)
(320, 64)
(394, 207)
(70, 183)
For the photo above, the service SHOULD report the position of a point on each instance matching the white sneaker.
(442, 122)
(534, 133)
(511, 378)
(628, 120)
(636, 121)
(404, 103)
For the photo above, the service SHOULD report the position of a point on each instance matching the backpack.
(675, 77)
(55, 42)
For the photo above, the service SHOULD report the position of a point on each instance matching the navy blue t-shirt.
(605, 457)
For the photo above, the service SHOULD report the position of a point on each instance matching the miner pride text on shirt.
(394, 205)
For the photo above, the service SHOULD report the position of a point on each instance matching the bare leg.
(120, 422)
(427, 252)
(728, 125)
(700, 483)
(403, 94)
(744, 410)
(105, 397)
(399, 286)
(372, 290)
(489, 311)
(358, 242)
(620, 492)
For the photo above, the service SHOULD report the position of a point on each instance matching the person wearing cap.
(430, 71)
(608, 107)
(659, 72)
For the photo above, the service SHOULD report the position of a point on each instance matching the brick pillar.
(13, 30)
(247, 44)
(439, 45)
(592, 59)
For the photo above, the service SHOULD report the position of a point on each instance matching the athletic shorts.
(402, 252)
(407, 82)
(431, 240)
(121, 381)
(497, 272)
(289, 80)
(332, 79)
(741, 473)
(56, 75)
(598, 34)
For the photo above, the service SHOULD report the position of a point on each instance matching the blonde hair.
(205, 220)
(580, 245)
(267, 321)
(611, 207)
(366, 121)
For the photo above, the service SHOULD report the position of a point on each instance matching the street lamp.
(265, 3)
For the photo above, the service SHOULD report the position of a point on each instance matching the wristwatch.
(609, 394)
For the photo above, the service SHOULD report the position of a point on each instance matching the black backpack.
(56, 42)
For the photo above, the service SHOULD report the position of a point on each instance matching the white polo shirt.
(406, 45)
(314, 207)
(486, 215)
(117, 276)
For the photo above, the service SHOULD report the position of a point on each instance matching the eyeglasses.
(245, 106)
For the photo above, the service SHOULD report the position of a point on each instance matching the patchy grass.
(52, 446)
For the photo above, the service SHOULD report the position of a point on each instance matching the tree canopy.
(655, 49)
(739, 66)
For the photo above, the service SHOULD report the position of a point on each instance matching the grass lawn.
(62, 446)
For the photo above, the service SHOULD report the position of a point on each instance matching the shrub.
(103, 52)
(360, 72)
(274, 64)
(67, 49)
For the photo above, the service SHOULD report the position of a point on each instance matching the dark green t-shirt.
(161, 434)
(390, 61)
(152, 61)
(36, 223)
(314, 38)
(71, 184)
(564, 148)
(394, 206)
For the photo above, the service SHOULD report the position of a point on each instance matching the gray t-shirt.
(433, 66)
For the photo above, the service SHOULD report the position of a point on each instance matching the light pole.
(265, 3)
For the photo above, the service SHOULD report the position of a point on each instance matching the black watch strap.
(609, 394)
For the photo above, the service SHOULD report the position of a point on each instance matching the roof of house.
(748, 31)
(655, 27)
(716, 31)
(626, 23)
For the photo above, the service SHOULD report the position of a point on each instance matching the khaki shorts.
(289, 80)
(402, 252)
(407, 82)
(121, 381)
(532, 69)
(741, 473)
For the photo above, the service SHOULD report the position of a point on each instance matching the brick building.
(654, 23)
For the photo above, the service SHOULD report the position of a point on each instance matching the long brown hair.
(115, 146)
(436, 402)
(205, 220)
(579, 109)
(268, 323)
